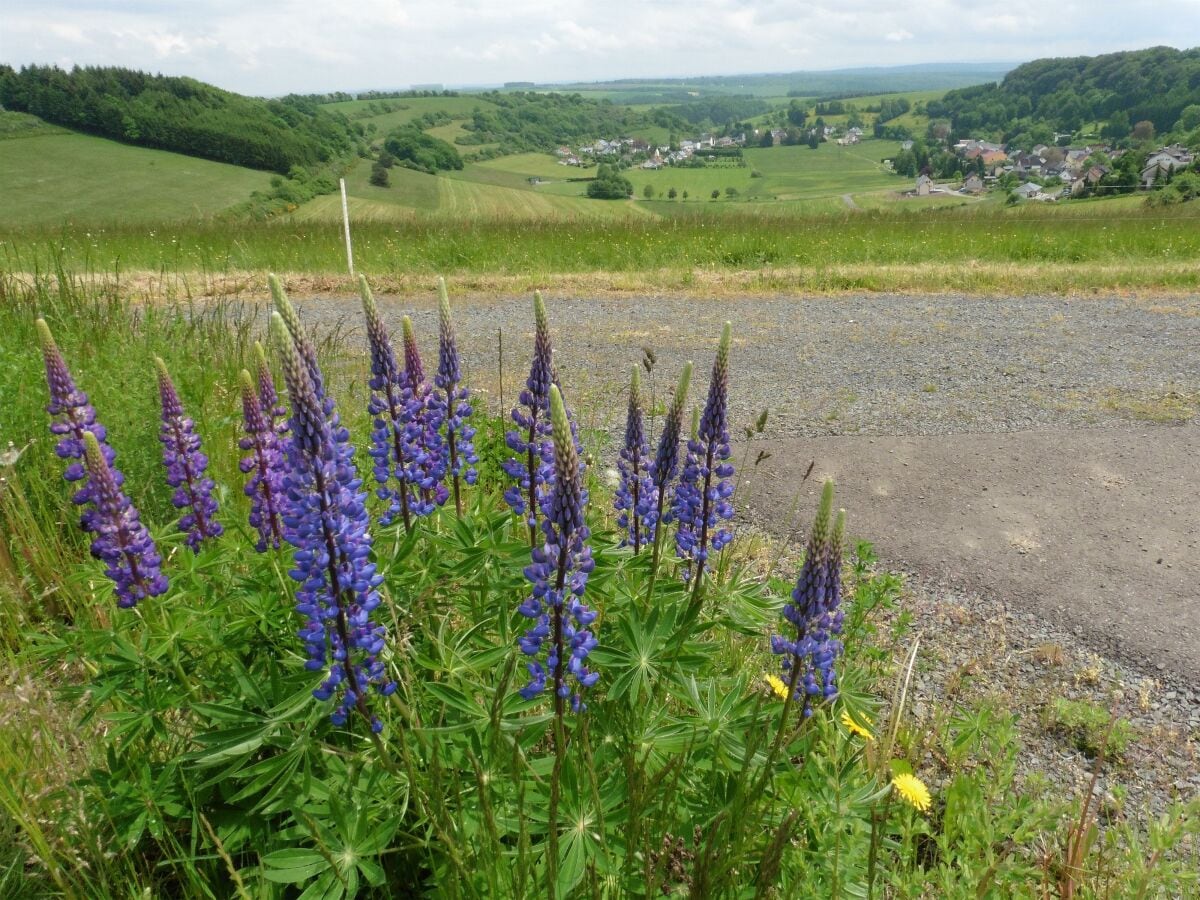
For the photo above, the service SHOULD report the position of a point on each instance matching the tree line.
(182, 115)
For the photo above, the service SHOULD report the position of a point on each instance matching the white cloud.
(277, 46)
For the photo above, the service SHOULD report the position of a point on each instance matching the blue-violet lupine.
(701, 499)
(666, 459)
(459, 449)
(326, 521)
(266, 467)
(425, 466)
(810, 652)
(73, 416)
(389, 416)
(636, 498)
(186, 464)
(122, 542)
(531, 468)
(559, 573)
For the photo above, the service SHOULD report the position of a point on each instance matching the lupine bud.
(326, 521)
(73, 417)
(666, 460)
(186, 464)
(266, 467)
(559, 572)
(122, 542)
(636, 498)
(304, 347)
(459, 449)
(701, 500)
(268, 397)
(814, 613)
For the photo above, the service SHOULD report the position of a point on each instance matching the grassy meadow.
(52, 177)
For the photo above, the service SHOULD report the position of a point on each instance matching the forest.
(1119, 89)
(182, 115)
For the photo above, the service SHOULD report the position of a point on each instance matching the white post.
(346, 226)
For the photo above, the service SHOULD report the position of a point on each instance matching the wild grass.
(1031, 250)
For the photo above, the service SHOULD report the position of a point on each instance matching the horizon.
(283, 46)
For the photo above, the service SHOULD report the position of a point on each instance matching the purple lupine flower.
(701, 500)
(122, 542)
(455, 400)
(268, 397)
(814, 613)
(73, 417)
(666, 459)
(388, 409)
(186, 464)
(636, 498)
(559, 573)
(531, 467)
(266, 467)
(424, 463)
(326, 521)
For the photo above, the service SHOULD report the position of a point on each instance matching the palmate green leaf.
(293, 865)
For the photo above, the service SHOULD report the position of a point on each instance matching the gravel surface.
(1012, 455)
(874, 364)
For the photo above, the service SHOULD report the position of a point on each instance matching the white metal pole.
(346, 227)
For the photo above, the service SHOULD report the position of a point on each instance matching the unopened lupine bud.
(636, 498)
(459, 449)
(266, 467)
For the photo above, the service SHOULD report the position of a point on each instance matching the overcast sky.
(276, 46)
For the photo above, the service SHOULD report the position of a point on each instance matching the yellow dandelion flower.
(862, 730)
(913, 790)
(778, 687)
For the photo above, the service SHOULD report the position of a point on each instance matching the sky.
(273, 47)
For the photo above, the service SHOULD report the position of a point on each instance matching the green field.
(458, 107)
(57, 177)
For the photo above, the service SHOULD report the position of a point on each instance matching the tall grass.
(730, 241)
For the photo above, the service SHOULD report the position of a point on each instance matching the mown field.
(52, 177)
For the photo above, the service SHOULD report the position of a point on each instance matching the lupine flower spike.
(73, 417)
(810, 651)
(636, 499)
(268, 397)
(559, 573)
(460, 458)
(122, 542)
(326, 521)
(266, 467)
(531, 467)
(425, 465)
(186, 464)
(666, 459)
(387, 407)
(701, 500)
